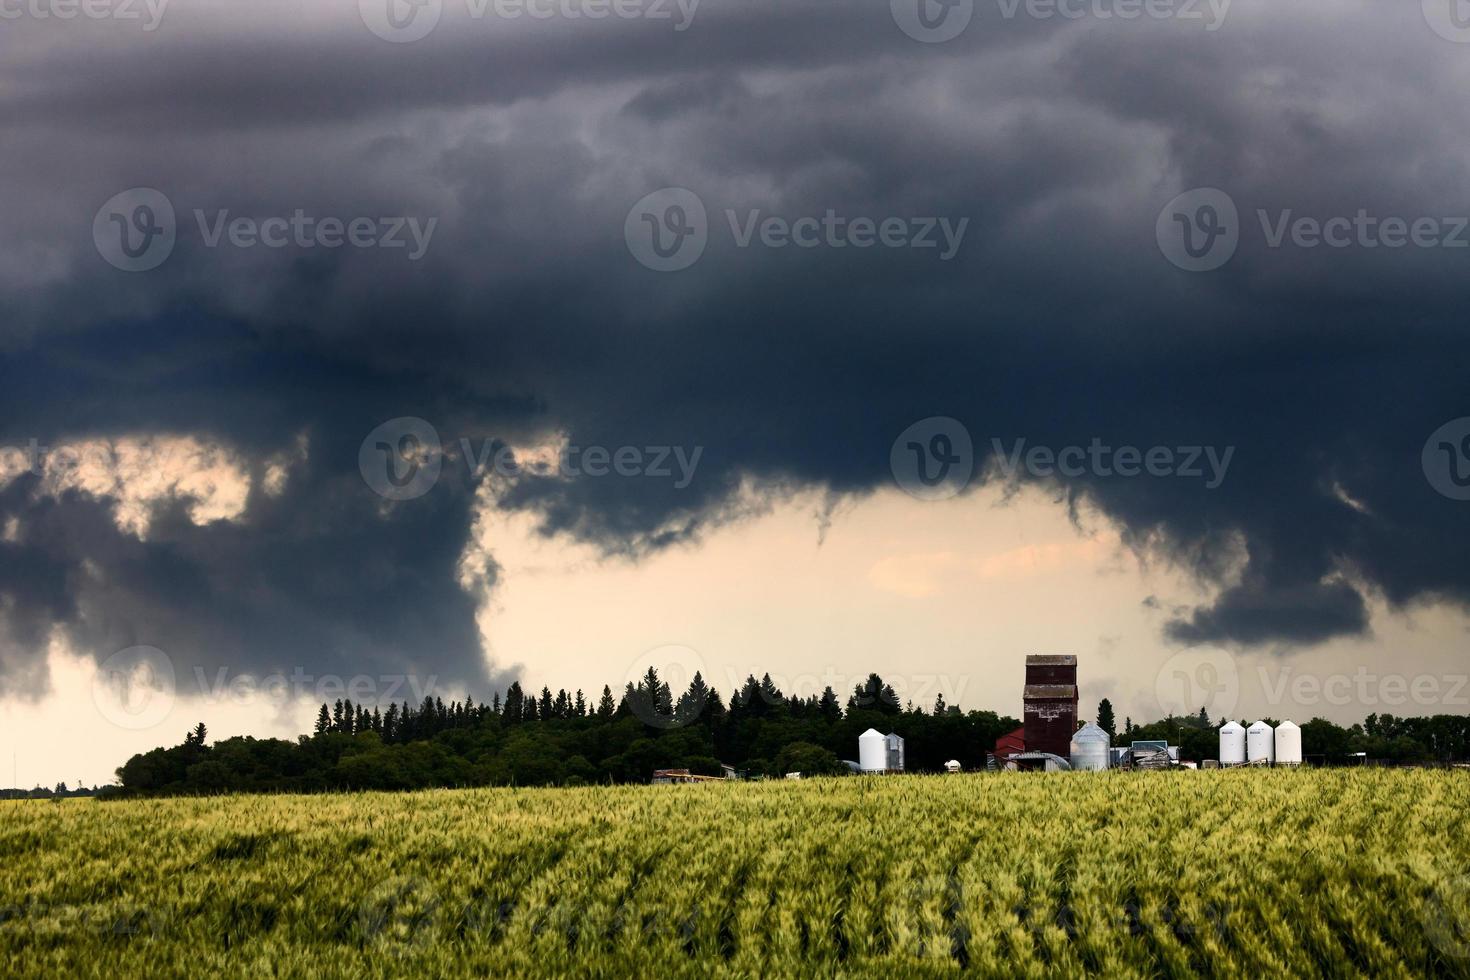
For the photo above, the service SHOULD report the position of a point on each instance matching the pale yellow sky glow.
(938, 597)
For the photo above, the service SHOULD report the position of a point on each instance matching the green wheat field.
(1237, 874)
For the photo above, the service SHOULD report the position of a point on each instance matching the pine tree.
(829, 707)
(606, 706)
(580, 706)
(514, 709)
(1105, 719)
(323, 720)
(545, 706)
(939, 705)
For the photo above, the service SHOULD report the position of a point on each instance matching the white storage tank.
(1288, 744)
(1232, 744)
(872, 751)
(1260, 744)
(893, 745)
(1090, 746)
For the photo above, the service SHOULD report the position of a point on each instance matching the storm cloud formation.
(527, 318)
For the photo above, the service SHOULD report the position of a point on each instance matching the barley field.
(1241, 873)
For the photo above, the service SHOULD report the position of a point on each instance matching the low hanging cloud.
(791, 359)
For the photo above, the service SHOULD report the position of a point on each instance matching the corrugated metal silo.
(1260, 744)
(1232, 744)
(1090, 745)
(1288, 744)
(893, 744)
(872, 751)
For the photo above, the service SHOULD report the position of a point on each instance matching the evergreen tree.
(546, 706)
(1105, 719)
(323, 720)
(580, 709)
(829, 707)
(606, 706)
(515, 708)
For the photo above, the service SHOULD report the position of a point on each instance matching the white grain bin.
(1260, 744)
(1288, 744)
(893, 749)
(1090, 747)
(1232, 744)
(953, 765)
(872, 751)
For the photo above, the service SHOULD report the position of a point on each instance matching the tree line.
(526, 738)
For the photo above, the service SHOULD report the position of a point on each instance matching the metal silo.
(1260, 744)
(1090, 747)
(1232, 744)
(893, 749)
(872, 751)
(1288, 744)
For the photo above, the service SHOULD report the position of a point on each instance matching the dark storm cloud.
(1058, 321)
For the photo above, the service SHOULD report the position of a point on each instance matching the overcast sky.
(438, 345)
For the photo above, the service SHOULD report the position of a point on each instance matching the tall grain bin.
(1090, 747)
(893, 750)
(872, 751)
(1232, 744)
(1288, 744)
(1260, 744)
